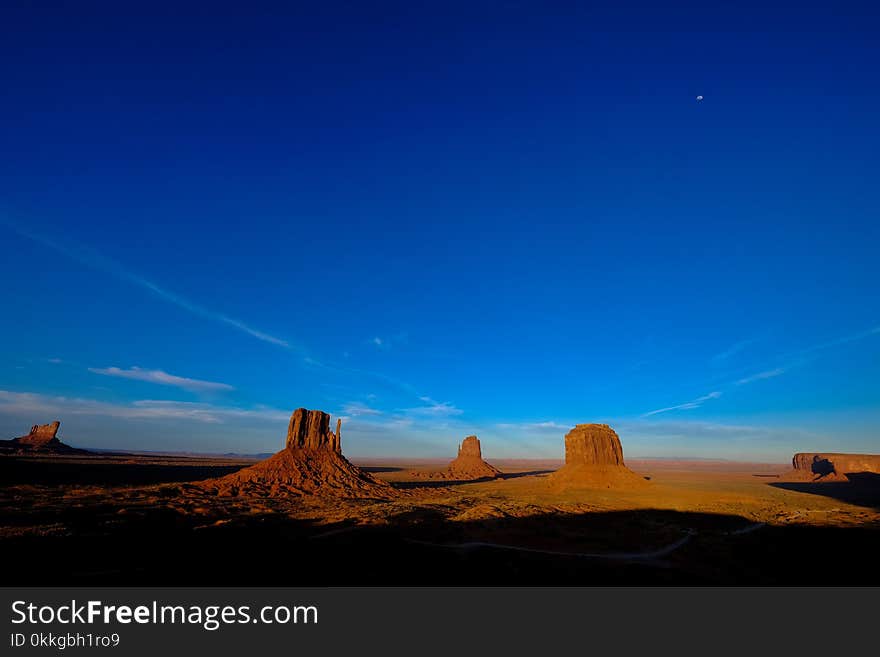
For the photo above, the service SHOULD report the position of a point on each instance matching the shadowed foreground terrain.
(137, 519)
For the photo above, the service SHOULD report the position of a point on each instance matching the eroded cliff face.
(41, 435)
(832, 464)
(311, 430)
(594, 459)
(467, 466)
(470, 447)
(311, 463)
(593, 444)
(42, 439)
(469, 463)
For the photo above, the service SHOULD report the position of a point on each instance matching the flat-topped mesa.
(593, 444)
(41, 435)
(311, 430)
(594, 459)
(833, 465)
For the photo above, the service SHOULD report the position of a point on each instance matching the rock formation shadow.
(424, 547)
(18, 471)
(821, 467)
(530, 473)
(862, 489)
(437, 483)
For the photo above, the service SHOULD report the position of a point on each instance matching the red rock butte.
(833, 466)
(311, 430)
(42, 439)
(467, 466)
(41, 435)
(594, 458)
(311, 463)
(469, 463)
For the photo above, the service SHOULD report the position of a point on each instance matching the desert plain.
(140, 518)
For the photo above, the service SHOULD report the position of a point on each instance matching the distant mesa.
(830, 466)
(311, 463)
(42, 439)
(469, 463)
(41, 435)
(593, 444)
(594, 459)
(467, 466)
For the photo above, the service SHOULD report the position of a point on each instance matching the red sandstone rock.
(41, 435)
(467, 466)
(311, 464)
(593, 444)
(833, 466)
(469, 463)
(470, 447)
(594, 458)
(311, 430)
(42, 438)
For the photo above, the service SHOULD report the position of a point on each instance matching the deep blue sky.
(442, 218)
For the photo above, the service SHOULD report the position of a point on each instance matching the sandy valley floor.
(139, 519)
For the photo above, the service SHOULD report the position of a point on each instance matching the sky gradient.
(436, 219)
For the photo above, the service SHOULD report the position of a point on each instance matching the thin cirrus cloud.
(846, 339)
(809, 353)
(547, 426)
(355, 409)
(695, 403)
(162, 378)
(803, 355)
(95, 260)
(385, 343)
(731, 351)
(434, 408)
(767, 374)
(145, 409)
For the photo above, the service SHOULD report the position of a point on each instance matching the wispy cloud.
(681, 437)
(789, 361)
(807, 354)
(696, 403)
(54, 361)
(206, 313)
(385, 343)
(852, 337)
(92, 259)
(540, 427)
(354, 409)
(145, 409)
(95, 260)
(162, 378)
(768, 374)
(731, 351)
(374, 424)
(349, 371)
(434, 408)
